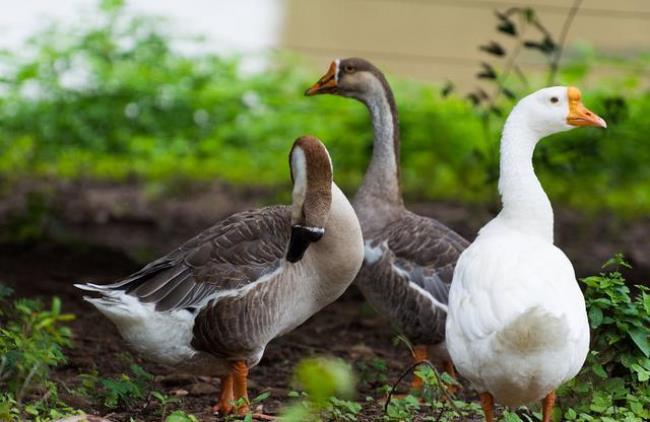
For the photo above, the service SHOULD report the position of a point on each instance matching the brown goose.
(409, 259)
(212, 305)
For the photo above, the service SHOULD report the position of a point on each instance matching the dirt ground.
(101, 233)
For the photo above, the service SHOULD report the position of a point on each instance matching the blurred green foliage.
(326, 384)
(112, 99)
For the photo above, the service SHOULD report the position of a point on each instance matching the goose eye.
(554, 99)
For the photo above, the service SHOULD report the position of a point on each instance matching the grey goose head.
(352, 77)
(311, 173)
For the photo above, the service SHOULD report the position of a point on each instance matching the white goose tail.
(534, 331)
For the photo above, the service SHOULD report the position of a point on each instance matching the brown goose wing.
(227, 256)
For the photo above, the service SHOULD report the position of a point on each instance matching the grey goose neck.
(380, 190)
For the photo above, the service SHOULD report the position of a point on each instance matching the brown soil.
(104, 232)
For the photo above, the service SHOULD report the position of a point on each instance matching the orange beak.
(326, 84)
(579, 115)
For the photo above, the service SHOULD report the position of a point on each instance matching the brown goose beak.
(326, 84)
(579, 115)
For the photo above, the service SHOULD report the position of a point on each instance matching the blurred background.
(129, 126)
(132, 125)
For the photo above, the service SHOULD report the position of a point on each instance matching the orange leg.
(547, 406)
(240, 384)
(487, 403)
(226, 396)
(420, 353)
(240, 387)
(449, 368)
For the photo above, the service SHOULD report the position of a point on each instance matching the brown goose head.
(311, 173)
(352, 77)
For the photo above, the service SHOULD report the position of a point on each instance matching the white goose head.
(311, 173)
(555, 109)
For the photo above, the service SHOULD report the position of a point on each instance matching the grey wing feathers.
(424, 242)
(227, 256)
(409, 283)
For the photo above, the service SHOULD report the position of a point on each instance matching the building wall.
(437, 40)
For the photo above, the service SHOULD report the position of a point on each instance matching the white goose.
(212, 305)
(517, 325)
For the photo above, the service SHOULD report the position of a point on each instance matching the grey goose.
(409, 259)
(212, 305)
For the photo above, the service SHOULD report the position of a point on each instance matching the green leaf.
(261, 397)
(595, 316)
(599, 370)
(640, 338)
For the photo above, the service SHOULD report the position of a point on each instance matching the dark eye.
(554, 99)
(349, 68)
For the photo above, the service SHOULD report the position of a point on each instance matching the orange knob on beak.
(327, 84)
(579, 115)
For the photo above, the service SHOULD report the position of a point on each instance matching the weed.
(613, 384)
(164, 401)
(180, 416)
(31, 345)
(326, 383)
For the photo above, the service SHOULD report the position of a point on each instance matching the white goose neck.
(526, 206)
(381, 184)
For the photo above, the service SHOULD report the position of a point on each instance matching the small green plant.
(32, 339)
(613, 384)
(124, 390)
(341, 410)
(180, 416)
(373, 372)
(326, 383)
(164, 401)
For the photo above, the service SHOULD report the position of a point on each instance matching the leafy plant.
(326, 383)
(32, 339)
(613, 385)
(164, 400)
(180, 416)
(121, 391)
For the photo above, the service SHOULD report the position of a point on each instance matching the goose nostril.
(588, 114)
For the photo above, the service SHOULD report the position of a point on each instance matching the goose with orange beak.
(517, 324)
(211, 306)
(409, 259)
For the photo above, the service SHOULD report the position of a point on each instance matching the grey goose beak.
(327, 84)
(301, 238)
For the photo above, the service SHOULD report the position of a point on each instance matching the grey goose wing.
(226, 257)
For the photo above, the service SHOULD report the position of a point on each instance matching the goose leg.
(226, 396)
(420, 353)
(240, 385)
(547, 406)
(240, 375)
(487, 403)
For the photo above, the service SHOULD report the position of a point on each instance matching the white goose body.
(517, 325)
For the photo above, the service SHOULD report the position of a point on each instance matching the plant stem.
(555, 63)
